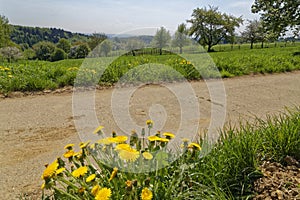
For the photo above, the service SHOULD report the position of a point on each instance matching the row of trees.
(207, 26)
(210, 27)
(63, 49)
(28, 36)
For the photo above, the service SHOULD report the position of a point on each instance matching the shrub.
(11, 53)
(58, 54)
(79, 51)
(44, 50)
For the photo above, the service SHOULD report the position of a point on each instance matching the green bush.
(44, 50)
(58, 54)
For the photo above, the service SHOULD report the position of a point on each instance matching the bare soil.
(35, 128)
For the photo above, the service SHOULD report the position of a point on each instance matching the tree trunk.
(180, 50)
(160, 51)
(209, 48)
(262, 44)
(251, 47)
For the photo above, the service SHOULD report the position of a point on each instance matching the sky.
(113, 16)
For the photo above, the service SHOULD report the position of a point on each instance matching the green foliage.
(11, 53)
(79, 51)
(210, 27)
(140, 69)
(4, 32)
(58, 54)
(180, 39)
(64, 44)
(254, 32)
(105, 47)
(29, 54)
(96, 39)
(44, 50)
(278, 15)
(39, 75)
(280, 136)
(32, 35)
(134, 43)
(269, 60)
(161, 38)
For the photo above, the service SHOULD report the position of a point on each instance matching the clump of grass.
(233, 164)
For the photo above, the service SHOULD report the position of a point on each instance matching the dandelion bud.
(134, 183)
(147, 182)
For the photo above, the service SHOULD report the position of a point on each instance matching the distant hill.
(24, 35)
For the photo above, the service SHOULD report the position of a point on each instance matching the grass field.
(40, 75)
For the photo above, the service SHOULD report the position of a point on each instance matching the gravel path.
(35, 128)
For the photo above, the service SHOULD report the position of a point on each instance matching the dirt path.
(34, 129)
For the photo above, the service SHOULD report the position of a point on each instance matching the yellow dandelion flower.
(194, 145)
(103, 194)
(6, 69)
(60, 170)
(78, 154)
(105, 141)
(90, 178)
(169, 135)
(146, 194)
(185, 140)
(164, 140)
(153, 138)
(129, 155)
(69, 154)
(92, 146)
(84, 144)
(69, 146)
(43, 186)
(147, 155)
(113, 174)
(149, 122)
(120, 147)
(119, 139)
(9, 76)
(95, 190)
(98, 130)
(81, 190)
(128, 183)
(80, 171)
(50, 170)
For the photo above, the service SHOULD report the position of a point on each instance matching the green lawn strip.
(41, 75)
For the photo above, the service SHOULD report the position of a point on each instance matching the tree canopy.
(161, 38)
(209, 26)
(180, 37)
(44, 50)
(4, 32)
(96, 39)
(254, 32)
(64, 44)
(33, 35)
(278, 15)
